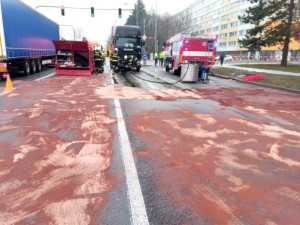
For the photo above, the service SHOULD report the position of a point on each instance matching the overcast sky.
(98, 28)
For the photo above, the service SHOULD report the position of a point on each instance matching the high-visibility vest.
(155, 55)
(115, 57)
(97, 55)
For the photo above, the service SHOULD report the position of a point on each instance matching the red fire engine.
(184, 49)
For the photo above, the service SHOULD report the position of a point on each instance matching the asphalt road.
(83, 150)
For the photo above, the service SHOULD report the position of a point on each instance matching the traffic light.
(62, 10)
(120, 13)
(92, 12)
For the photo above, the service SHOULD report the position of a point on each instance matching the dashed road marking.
(134, 192)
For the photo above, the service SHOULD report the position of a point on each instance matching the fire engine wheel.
(177, 71)
(39, 65)
(26, 67)
(33, 66)
(167, 67)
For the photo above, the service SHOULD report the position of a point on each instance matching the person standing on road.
(97, 60)
(145, 58)
(156, 57)
(222, 56)
(132, 62)
(161, 58)
(115, 61)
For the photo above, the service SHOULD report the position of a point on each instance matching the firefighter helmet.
(116, 50)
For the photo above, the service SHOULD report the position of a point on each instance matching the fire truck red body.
(184, 49)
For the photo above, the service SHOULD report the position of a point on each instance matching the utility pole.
(144, 26)
(136, 14)
(156, 28)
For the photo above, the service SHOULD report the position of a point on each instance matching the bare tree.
(78, 33)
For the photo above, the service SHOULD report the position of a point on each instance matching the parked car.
(227, 58)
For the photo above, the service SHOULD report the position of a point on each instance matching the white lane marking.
(4, 93)
(134, 192)
(41, 78)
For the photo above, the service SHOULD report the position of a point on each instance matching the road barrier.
(9, 86)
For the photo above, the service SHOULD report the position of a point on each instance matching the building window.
(208, 30)
(223, 35)
(225, 17)
(234, 24)
(215, 28)
(217, 20)
(242, 32)
(232, 43)
(222, 44)
(224, 26)
(232, 34)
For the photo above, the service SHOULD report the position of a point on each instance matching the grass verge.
(293, 68)
(284, 81)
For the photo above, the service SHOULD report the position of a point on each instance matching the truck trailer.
(25, 38)
(127, 39)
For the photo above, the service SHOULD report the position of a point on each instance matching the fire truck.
(183, 48)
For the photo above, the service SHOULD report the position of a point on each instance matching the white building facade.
(220, 17)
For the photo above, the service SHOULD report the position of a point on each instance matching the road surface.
(83, 150)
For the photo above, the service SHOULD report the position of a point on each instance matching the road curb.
(260, 84)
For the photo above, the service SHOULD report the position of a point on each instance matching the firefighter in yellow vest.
(98, 61)
(132, 62)
(115, 60)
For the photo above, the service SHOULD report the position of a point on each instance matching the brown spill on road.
(58, 150)
(229, 170)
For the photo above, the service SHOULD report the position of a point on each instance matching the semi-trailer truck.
(25, 38)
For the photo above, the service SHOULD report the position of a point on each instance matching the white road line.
(50, 75)
(4, 93)
(136, 200)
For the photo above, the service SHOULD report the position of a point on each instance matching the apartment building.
(220, 17)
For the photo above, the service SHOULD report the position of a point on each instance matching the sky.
(98, 28)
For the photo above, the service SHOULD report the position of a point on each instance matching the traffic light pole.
(66, 7)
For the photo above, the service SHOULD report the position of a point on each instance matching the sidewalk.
(259, 70)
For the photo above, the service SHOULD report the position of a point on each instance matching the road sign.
(144, 37)
(151, 37)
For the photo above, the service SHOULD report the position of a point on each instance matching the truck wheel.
(39, 65)
(26, 67)
(33, 66)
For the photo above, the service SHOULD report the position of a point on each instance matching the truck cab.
(127, 39)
